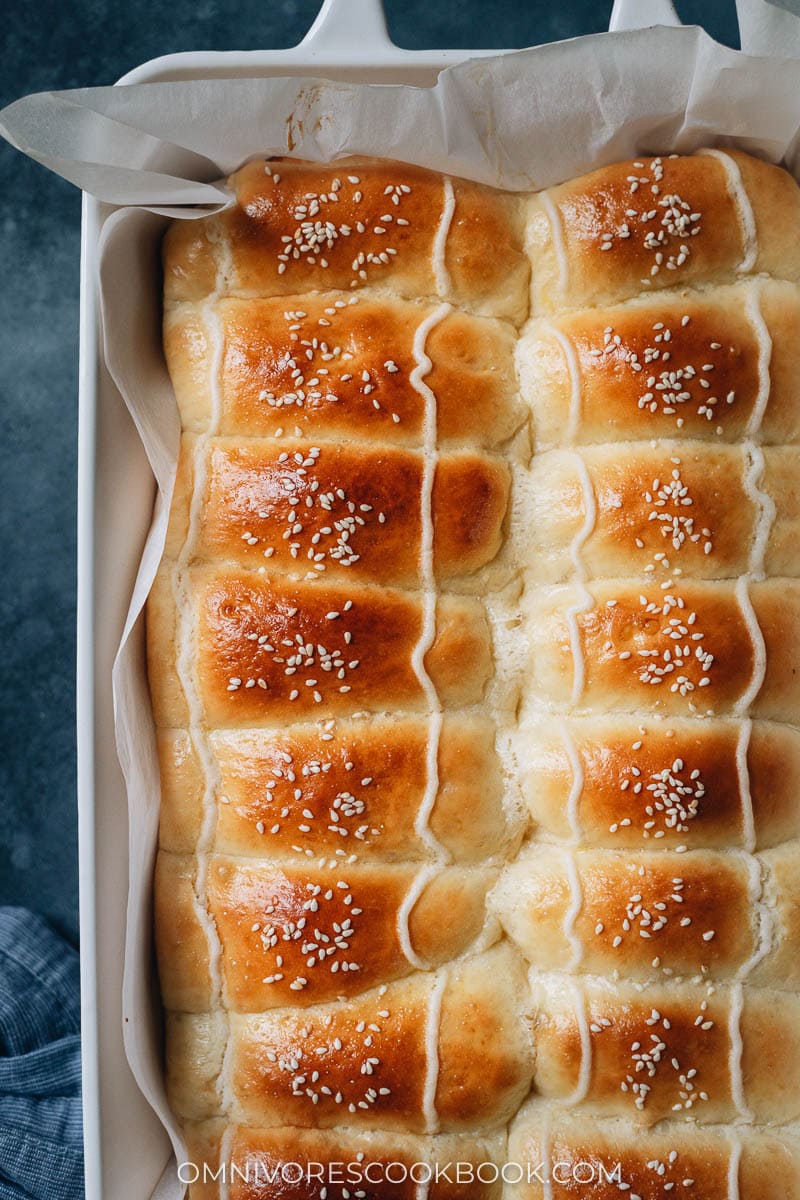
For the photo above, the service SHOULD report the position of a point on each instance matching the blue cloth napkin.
(41, 1146)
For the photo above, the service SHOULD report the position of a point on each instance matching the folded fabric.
(41, 1148)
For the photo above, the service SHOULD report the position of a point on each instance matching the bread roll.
(704, 512)
(721, 914)
(624, 782)
(352, 225)
(267, 649)
(600, 1159)
(682, 1051)
(339, 512)
(348, 788)
(449, 1051)
(713, 365)
(339, 369)
(294, 935)
(698, 648)
(375, 1165)
(661, 222)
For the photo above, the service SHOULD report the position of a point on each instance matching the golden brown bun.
(663, 507)
(647, 649)
(662, 784)
(681, 364)
(366, 1060)
(661, 222)
(307, 935)
(300, 226)
(349, 790)
(341, 513)
(361, 353)
(654, 914)
(667, 1050)
(296, 1164)
(600, 1160)
(267, 650)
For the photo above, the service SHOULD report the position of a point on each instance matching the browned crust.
(339, 512)
(678, 365)
(361, 782)
(299, 936)
(661, 222)
(640, 915)
(294, 1164)
(365, 660)
(678, 651)
(591, 1158)
(687, 1024)
(664, 785)
(657, 509)
(342, 370)
(375, 226)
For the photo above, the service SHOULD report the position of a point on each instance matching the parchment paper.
(520, 121)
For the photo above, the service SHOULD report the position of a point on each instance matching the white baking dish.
(126, 1146)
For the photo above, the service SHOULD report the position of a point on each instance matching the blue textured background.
(88, 42)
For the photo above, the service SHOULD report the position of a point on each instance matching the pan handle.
(640, 14)
(342, 26)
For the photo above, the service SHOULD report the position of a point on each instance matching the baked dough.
(706, 648)
(305, 510)
(662, 222)
(476, 676)
(653, 1164)
(652, 914)
(267, 649)
(679, 1051)
(356, 224)
(364, 925)
(448, 1050)
(625, 782)
(712, 365)
(378, 1163)
(357, 788)
(665, 505)
(655, 896)
(299, 364)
